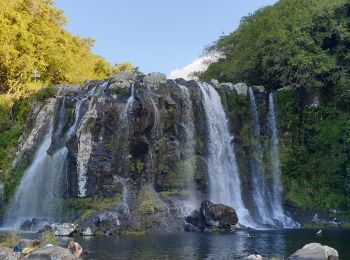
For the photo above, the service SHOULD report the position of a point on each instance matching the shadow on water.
(280, 243)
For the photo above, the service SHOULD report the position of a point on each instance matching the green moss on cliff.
(86, 207)
(146, 201)
(13, 112)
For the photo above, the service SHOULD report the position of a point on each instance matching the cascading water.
(78, 114)
(126, 196)
(39, 192)
(129, 103)
(224, 182)
(259, 188)
(276, 202)
(186, 120)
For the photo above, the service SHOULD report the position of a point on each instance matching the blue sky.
(155, 35)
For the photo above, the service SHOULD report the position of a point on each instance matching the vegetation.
(10, 239)
(302, 45)
(146, 201)
(48, 237)
(32, 36)
(85, 207)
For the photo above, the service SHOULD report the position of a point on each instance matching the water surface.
(280, 243)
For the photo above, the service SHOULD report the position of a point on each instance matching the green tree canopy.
(32, 35)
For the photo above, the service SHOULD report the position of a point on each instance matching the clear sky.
(155, 35)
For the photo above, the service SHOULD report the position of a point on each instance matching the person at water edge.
(255, 256)
(75, 248)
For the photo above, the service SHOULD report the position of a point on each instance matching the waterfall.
(77, 117)
(126, 195)
(276, 202)
(186, 121)
(39, 191)
(129, 103)
(259, 188)
(224, 182)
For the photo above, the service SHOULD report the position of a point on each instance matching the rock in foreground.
(315, 251)
(212, 217)
(57, 253)
(7, 254)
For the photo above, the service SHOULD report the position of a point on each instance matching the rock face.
(315, 251)
(212, 217)
(135, 154)
(57, 253)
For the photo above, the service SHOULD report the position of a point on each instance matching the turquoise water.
(280, 243)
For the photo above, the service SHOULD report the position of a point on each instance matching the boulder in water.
(213, 217)
(315, 251)
(55, 252)
(65, 229)
(88, 232)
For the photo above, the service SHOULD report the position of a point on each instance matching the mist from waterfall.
(260, 192)
(278, 214)
(224, 182)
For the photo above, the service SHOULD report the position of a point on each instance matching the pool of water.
(280, 243)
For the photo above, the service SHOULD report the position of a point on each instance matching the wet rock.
(57, 253)
(65, 229)
(88, 232)
(260, 89)
(214, 217)
(315, 251)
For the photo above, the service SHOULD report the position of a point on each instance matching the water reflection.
(280, 243)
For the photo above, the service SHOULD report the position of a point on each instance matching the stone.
(7, 254)
(255, 257)
(227, 86)
(261, 89)
(155, 79)
(65, 229)
(88, 232)
(287, 88)
(120, 83)
(50, 253)
(241, 88)
(215, 83)
(213, 217)
(315, 251)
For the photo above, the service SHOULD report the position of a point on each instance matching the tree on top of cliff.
(293, 43)
(32, 35)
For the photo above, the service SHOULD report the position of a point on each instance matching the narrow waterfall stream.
(186, 119)
(260, 192)
(125, 113)
(224, 182)
(278, 214)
